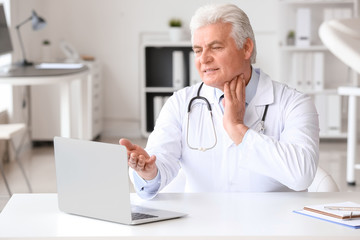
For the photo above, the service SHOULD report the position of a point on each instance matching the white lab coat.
(285, 158)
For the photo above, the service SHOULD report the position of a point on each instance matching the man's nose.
(206, 57)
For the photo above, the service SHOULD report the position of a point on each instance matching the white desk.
(211, 216)
(28, 76)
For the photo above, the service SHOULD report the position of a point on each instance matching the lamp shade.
(342, 38)
(37, 22)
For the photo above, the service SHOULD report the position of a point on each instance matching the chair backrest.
(323, 182)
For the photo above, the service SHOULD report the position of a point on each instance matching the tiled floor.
(39, 164)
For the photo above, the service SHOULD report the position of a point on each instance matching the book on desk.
(344, 213)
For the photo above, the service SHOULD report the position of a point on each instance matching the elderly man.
(238, 130)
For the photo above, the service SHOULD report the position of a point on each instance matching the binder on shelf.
(293, 75)
(334, 114)
(194, 74)
(165, 99)
(318, 71)
(158, 104)
(308, 71)
(345, 218)
(327, 14)
(336, 13)
(303, 27)
(297, 69)
(321, 107)
(347, 13)
(178, 69)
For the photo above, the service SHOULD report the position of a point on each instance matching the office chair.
(7, 132)
(323, 182)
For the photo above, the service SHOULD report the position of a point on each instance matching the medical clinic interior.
(101, 70)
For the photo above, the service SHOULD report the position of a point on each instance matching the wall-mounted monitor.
(5, 40)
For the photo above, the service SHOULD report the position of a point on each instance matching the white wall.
(110, 30)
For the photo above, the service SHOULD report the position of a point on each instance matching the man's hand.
(139, 160)
(234, 109)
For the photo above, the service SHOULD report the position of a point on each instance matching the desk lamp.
(342, 38)
(37, 24)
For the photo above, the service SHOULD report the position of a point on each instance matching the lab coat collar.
(265, 90)
(264, 96)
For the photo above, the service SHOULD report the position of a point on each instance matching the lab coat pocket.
(237, 176)
(240, 180)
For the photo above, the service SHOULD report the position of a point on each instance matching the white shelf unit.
(299, 66)
(157, 74)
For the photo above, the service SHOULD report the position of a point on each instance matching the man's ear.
(248, 48)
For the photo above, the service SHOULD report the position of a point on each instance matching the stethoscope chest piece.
(260, 128)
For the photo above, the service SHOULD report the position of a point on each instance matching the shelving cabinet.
(308, 66)
(159, 67)
(45, 108)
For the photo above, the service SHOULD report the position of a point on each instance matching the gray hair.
(226, 13)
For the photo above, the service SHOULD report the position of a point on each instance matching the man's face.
(218, 60)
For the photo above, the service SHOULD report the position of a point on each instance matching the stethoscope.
(198, 97)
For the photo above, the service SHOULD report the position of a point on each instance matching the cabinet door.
(45, 109)
(45, 112)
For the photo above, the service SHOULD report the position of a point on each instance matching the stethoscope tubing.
(203, 149)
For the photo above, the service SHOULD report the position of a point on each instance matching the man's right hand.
(139, 160)
(234, 99)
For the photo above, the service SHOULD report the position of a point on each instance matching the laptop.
(93, 181)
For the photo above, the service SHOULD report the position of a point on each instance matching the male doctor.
(261, 136)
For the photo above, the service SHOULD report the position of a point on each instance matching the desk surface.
(30, 75)
(211, 215)
(32, 71)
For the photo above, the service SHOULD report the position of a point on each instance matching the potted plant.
(176, 30)
(290, 39)
(46, 50)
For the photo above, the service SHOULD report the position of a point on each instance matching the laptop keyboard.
(137, 216)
